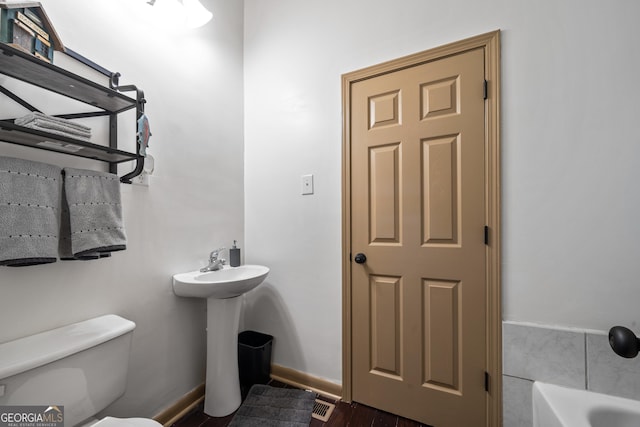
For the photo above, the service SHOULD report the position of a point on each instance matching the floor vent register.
(322, 410)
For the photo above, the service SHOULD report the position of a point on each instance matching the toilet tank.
(82, 366)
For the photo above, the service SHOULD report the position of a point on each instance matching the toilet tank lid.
(36, 350)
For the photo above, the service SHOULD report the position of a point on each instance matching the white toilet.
(81, 366)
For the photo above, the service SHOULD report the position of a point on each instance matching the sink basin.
(555, 406)
(222, 289)
(229, 282)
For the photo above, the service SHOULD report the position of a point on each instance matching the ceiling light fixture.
(197, 14)
(193, 13)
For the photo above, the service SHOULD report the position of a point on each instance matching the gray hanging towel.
(29, 203)
(91, 220)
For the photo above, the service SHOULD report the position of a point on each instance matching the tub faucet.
(215, 262)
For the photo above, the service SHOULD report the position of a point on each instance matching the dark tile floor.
(345, 414)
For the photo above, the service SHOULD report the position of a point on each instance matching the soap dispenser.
(234, 255)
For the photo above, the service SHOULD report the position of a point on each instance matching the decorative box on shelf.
(26, 26)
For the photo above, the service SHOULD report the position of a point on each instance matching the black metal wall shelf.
(27, 68)
(48, 141)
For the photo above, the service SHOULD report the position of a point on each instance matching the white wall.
(193, 83)
(570, 140)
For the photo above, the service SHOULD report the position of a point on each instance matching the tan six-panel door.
(418, 305)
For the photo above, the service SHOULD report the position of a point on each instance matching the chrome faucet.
(215, 262)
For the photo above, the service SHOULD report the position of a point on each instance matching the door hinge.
(486, 235)
(486, 381)
(485, 90)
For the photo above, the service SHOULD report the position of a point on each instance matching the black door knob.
(624, 342)
(360, 258)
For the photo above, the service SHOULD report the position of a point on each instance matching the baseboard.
(181, 407)
(306, 381)
(298, 379)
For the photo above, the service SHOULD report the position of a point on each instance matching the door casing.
(490, 43)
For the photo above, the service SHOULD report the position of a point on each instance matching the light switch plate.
(307, 184)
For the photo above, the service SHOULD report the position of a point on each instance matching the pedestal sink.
(222, 289)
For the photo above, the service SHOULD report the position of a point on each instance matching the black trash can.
(254, 357)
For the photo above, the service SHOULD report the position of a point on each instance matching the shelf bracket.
(114, 83)
(126, 179)
(17, 99)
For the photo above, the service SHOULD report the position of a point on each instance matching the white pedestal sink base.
(222, 289)
(222, 393)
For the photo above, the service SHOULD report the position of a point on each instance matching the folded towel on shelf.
(58, 132)
(29, 204)
(43, 118)
(91, 215)
(56, 125)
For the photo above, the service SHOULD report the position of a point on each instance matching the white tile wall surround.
(609, 373)
(539, 353)
(515, 410)
(569, 357)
